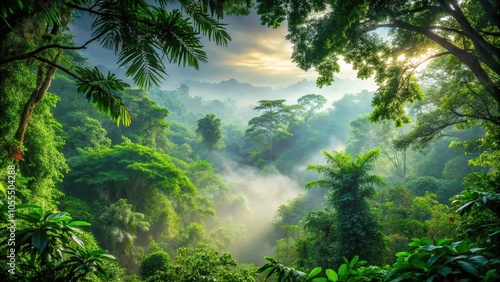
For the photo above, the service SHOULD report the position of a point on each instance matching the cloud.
(256, 54)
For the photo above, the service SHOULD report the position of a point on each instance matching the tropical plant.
(445, 261)
(142, 34)
(203, 264)
(355, 230)
(154, 262)
(350, 271)
(281, 272)
(210, 131)
(479, 206)
(81, 262)
(47, 246)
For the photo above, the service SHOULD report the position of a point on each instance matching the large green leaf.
(40, 240)
(469, 267)
(314, 272)
(332, 275)
(343, 271)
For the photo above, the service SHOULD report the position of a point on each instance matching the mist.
(264, 194)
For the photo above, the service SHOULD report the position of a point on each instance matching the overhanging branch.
(50, 46)
(43, 60)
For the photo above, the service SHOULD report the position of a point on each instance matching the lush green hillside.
(103, 180)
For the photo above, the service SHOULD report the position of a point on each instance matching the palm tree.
(143, 34)
(355, 230)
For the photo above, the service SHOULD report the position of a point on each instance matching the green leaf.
(417, 263)
(433, 259)
(402, 254)
(445, 271)
(430, 247)
(314, 272)
(40, 241)
(426, 241)
(442, 242)
(415, 243)
(353, 262)
(343, 271)
(76, 239)
(332, 275)
(269, 259)
(100, 89)
(98, 252)
(462, 247)
(78, 223)
(27, 206)
(478, 260)
(470, 268)
(492, 273)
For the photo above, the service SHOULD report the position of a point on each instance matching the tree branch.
(481, 116)
(88, 10)
(479, 97)
(427, 59)
(493, 17)
(50, 46)
(59, 67)
(484, 49)
(419, 9)
(463, 55)
(454, 30)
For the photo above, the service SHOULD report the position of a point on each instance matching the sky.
(256, 54)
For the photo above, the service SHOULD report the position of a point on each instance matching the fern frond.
(100, 89)
(206, 24)
(179, 39)
(146, 66)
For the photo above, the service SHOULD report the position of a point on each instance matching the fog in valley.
(194, 140)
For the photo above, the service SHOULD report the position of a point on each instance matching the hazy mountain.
(246, 93)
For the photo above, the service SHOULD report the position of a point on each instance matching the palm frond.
(179, 39)
(146, 66)
(339, 159)
(50, 11)
(368, 158)
(206, 24)
(323, 183)
(9, 9)
(100, 89)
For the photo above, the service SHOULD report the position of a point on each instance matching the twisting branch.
(479, 116)
(50, 46)
(428, 59)
(454, 30)
(478, 96)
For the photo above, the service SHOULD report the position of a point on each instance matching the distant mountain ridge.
(246, 93)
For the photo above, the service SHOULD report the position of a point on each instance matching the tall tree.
(322, 31)
(210, 131)
(311, 103)
(365, 135)
(141, 35)
(271, 125)
(355, 230)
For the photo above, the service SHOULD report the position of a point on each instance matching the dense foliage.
(188, 186)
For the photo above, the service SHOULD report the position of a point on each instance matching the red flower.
(19, 155)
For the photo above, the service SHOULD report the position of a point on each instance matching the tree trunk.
(44, 78)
